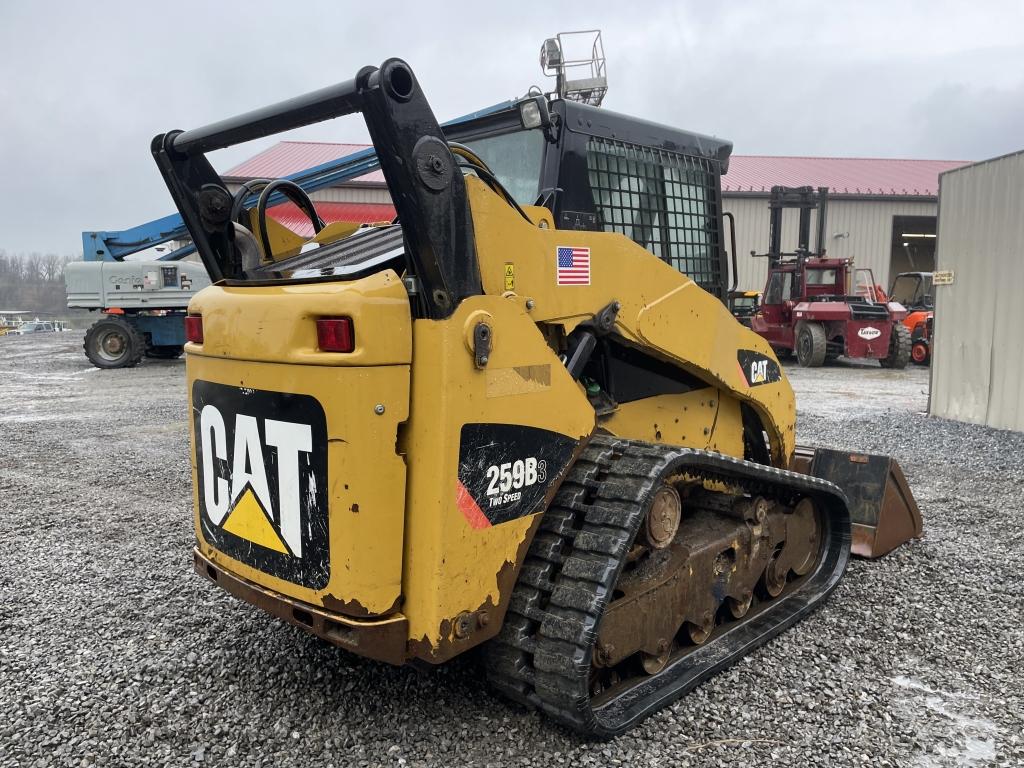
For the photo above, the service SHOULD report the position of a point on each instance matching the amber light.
(194, 328)
(335, 334)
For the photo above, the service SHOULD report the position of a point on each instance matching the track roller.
(624, 617)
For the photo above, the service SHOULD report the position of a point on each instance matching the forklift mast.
(805, 199)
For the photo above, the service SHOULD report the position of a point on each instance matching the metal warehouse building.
(881, 212)
(977, 372)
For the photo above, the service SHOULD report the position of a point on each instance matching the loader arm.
(116, 245)
(426, 188)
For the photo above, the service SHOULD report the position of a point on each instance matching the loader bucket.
(883, 512)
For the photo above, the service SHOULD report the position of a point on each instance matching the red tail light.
(194, 328)
(335, 334)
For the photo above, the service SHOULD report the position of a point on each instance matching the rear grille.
(862, 310)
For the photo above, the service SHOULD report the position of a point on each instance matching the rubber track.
(541, 657)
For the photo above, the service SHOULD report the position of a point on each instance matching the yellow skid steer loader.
(489, 422)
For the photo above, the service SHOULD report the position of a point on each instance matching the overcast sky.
(85, 86)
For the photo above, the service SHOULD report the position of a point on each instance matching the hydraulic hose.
(297, 195)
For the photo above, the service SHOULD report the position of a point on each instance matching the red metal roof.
(364, 213)
(842, 175)
(288, 157)
(747, 173)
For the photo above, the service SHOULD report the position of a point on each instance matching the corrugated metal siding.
(353, 194)
(977, 372)
(342, 194)
(869, 223)
(363, 213)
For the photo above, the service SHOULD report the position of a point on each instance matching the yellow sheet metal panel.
(297, 480)
(659, 307)
(461, 552)
(703, 418)
(717, 350)
(283, 241)
(278, 323)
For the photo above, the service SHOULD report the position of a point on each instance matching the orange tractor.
(914, 291)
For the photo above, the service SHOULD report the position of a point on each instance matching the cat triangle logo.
(248, 520)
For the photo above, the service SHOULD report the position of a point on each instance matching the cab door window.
(780, 288)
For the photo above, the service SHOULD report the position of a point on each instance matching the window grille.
(665, 201)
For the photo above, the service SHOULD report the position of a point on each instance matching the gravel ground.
(113, 653)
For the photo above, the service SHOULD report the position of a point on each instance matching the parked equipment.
(914, 291)
(142, 305)
(810, 305)
(744, 305)
(11, 320)
(478, 424)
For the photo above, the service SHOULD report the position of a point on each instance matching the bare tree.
(33, 282)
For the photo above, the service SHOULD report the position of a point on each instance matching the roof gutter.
(832, 195)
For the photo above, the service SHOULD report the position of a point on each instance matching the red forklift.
(820, 308)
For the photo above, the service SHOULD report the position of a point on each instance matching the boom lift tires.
(811, 345)
(113, 342)
(899, 348)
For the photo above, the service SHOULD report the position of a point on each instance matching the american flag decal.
(573, 265)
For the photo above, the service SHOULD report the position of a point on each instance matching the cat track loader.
(472, 427)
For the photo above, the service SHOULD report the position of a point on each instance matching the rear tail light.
(194, 328)
(335, 334)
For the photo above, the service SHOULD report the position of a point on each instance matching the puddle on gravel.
(977, 735)
(47, 375)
